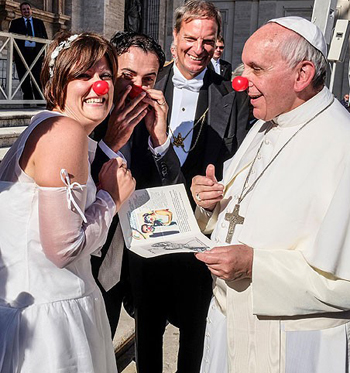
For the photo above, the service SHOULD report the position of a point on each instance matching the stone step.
(13, 121)
(8, 135)
(17, 117)
(3, 151)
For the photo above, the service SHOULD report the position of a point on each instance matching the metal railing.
(8, 90)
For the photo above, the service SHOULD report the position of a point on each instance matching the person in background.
(30, 26)
(52, 315)
(345, 101)
(173, 54)
(280, 217)
(219, 65)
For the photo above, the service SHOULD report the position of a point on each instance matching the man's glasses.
(219, 47)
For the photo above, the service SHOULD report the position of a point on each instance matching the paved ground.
(171, 341)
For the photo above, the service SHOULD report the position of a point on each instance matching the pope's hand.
(229, 263)
(206, 191)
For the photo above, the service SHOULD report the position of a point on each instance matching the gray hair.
(295, 49)
(195, 9)
(238, 71)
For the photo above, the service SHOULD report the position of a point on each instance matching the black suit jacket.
(18, 26)
(225, 69)
(224, 130)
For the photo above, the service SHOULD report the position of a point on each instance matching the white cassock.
(293, 316)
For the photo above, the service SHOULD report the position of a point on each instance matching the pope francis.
(280, 218)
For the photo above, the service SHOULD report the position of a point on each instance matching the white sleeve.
(160, 150)
(67, 230)
(110, 153)
(207, 219)
(284, 284)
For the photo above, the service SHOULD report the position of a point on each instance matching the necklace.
(178, 140)
(234, 218)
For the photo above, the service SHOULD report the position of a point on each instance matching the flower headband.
(62, 45)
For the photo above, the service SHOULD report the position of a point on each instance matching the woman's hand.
(116, 179)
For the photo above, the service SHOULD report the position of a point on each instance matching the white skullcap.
(306, 29)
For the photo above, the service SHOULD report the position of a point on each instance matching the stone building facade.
(155, 17)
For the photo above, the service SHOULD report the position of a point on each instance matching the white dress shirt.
(216, 64)
(183, 113)
(27, 43)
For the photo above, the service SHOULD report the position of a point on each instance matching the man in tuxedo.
(27, 25)
(207, 121)
(219, 65)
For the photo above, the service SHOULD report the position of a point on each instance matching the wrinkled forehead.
(267, 38)
(270, 34)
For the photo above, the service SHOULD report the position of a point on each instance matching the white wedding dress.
(51, 319)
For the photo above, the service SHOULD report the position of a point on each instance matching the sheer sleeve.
(67, 230)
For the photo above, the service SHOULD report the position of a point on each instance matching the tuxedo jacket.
(224, 129)
(18, 26)
(225, 69)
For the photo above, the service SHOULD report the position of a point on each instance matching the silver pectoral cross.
(234, 218)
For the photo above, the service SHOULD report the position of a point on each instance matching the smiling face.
(149, 218)
(137, 67)
(26, 11)
(219, 49)
(146, 228)
(82, 103)
(271, 80)
(195, 43)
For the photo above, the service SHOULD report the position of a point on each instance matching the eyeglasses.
(219, 47)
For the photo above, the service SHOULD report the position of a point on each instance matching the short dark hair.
(146, 216)
(123, 40)
(25, 3)
(221, 39)
(144, 228)
(195, 9)
(82, 54)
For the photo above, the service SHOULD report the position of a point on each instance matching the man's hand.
(125, 116)
(206, 191)
(229, 263)
(156, 118)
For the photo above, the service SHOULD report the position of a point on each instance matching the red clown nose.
(240, 83)
(100, 87)
(135, 91)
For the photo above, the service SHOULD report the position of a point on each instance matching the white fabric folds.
(52, 314)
